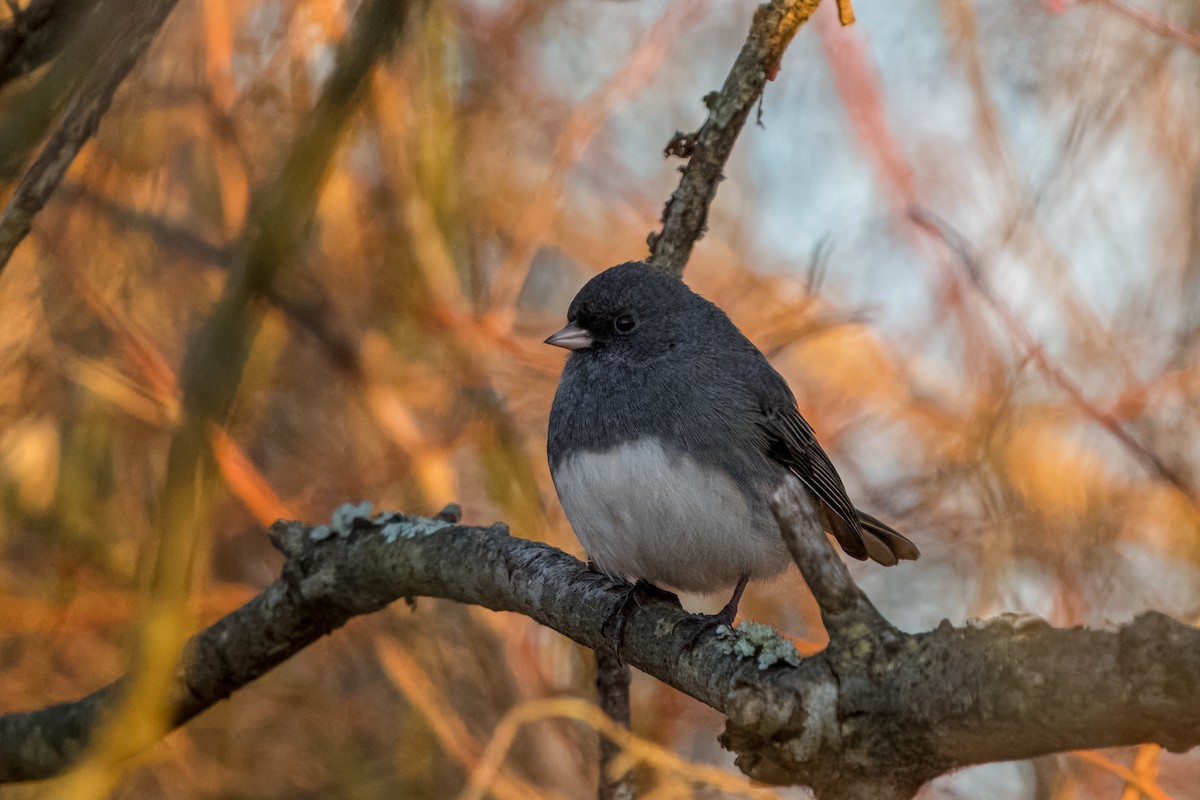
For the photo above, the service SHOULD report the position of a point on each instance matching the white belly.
(642, 513)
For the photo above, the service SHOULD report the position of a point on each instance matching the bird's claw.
(710, 622)
(613, 628)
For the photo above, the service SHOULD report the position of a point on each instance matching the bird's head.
(634, 311)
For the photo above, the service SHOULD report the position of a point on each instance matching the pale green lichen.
(412, 527)
(347, 514)
(1013, 621)
(392, 525)
(758, 641)
(384, 517)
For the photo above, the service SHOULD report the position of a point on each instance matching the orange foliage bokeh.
(979, 383)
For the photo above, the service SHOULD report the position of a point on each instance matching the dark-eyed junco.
(669, 433)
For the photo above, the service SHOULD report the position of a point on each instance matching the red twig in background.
(1050, 369)
(1139, 16)
(858, 86)
(584, 123)
(1155, 25)
(857, 81)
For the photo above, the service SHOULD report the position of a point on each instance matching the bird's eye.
(625, 323)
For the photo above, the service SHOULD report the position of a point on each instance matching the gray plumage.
(669, 433)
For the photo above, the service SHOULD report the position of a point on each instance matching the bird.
(670, 432)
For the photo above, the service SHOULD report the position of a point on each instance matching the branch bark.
(140, 23)
(612, 695)
(843, 605)
(875, 715)
(685, 217)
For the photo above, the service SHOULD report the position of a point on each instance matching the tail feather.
(853, 542)
(897, 545)
(876, 541)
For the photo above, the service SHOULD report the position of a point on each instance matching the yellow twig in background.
(1142, 783)
(1145, 766)
(451, 732)
(244, 479)
(636, 750)
(845, 12)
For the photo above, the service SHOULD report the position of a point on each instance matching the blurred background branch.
(115, 43)
(875, 717)
(510, 150)
(211, 372)
(1154, 24)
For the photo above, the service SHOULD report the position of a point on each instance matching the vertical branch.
(843, 605)
(685, 217)
(612, 692)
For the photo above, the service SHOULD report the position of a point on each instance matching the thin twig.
(639, 749)
(845, 12)
(685, 216)
(1051, 370)
(1143, 787)
(1155, 25)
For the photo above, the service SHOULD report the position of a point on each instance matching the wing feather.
(793, 443)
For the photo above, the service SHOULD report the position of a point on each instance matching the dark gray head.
(635, 311)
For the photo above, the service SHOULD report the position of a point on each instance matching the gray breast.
(643, 512)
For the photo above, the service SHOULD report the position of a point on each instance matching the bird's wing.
(791, 442)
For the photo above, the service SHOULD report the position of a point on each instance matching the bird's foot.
(635, 593)
(706, 623)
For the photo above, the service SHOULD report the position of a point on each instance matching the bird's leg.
(704, 623)
(614, 627)
(727, 614)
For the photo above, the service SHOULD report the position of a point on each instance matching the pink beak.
(570, 337)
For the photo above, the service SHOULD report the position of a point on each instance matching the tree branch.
(80, 120)
(1156, 25)
(875, 718)
(875, 715)
(685, 217)
(612, 695)
(686, 214)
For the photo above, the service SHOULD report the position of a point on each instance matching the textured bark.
(612, 693)
(685, 217)
(876, 714)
